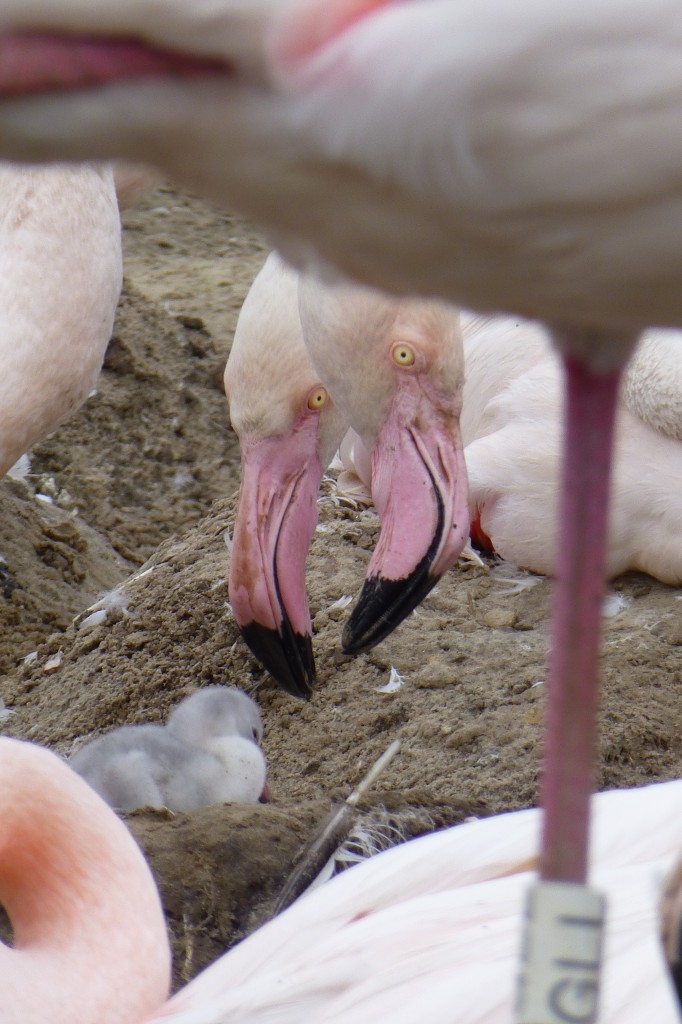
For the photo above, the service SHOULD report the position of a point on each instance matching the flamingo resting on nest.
(511, 429)
(426, 930)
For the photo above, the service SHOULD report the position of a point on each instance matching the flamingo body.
(60, 278)
(429, 927)
(511, 425)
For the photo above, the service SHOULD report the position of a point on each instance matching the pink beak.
(274, 528)
(419, 486)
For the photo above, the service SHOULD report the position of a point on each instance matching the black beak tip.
(350, 646)
(372, 618)
(382, 605)
(287, 656)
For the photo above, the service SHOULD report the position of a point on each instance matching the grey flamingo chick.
(208, 753)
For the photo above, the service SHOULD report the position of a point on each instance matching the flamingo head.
(396, 369)
(288, 430)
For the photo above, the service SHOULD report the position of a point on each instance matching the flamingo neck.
(84, 909)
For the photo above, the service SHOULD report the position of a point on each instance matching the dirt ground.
(141, 487)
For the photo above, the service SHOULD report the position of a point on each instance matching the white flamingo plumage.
(511, 428)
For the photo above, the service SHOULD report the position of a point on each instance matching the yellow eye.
(403, 355)
(317, 399)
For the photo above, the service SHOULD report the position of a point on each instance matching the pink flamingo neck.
(571, 718)
(90, 936)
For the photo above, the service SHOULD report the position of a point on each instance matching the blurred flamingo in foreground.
(523, 157)
(427, 929)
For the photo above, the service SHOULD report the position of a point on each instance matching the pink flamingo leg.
(571, 719)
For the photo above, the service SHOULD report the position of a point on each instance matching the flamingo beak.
(419, 486)
(273, 531)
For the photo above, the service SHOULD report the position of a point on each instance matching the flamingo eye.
(317, 399)
(403, 355)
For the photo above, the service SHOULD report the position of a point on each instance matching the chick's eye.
(317, 399)
(403, 355)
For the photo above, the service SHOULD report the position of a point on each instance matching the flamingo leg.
(571, 717)
(563, 937)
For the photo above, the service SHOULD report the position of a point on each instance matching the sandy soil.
(143, 486)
